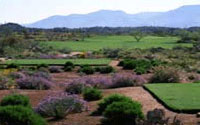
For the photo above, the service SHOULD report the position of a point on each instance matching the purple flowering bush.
(60, 105)
(105, 82)
(126, 80)
(33, 82)
(77, 85)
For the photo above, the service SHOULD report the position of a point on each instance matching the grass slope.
(178, 96)
(128, 42)
(60, 61)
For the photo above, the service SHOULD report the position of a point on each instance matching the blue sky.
(28, 11)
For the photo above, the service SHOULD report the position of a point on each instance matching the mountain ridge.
(185, 16)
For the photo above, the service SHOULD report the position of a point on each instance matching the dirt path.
(114, 64)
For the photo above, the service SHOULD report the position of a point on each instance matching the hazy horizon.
(28, 11)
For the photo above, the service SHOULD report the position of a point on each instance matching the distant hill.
(186, 16)
(11, 27)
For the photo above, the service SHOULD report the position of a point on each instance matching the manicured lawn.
(59, 61)
(128, 42)
(178, 96)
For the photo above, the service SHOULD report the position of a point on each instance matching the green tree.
(138, 35)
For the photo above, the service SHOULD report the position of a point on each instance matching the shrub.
(126, 80)
(111, 53)
(3, 83)
(129, 64)
(109, 100)
(123, 113)
(60, 105)
(69, 66)
(165, 75)
(16, 75)
(55, 69)
(42, 66)
(19, 115)
(107, 69)
(92, 94)
(15, 99)
(157, 116)
(75, 88)
(140, 70)
(32, 82)
(68, 63)
(42, 74)
(97, 69)
(87, 70)
(12, 65)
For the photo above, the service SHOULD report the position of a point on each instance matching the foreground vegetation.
(178, 96)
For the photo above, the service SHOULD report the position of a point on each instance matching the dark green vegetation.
(19, 115)
(118, 109)
(92, 94)
(16, 110)
(180, 97)
(15, 99)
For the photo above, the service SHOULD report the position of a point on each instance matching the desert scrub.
(165, 75)
(19, 115)
(60, 105)
(15, 99)
(92, 94)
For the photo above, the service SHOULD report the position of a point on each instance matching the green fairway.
(60, 61)
(128, 42)
(178, 96)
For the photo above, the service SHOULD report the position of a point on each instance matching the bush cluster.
(87, 70)
(104, 82)
(107, 69)
(16, 110)
(140, 66)
(119, 109)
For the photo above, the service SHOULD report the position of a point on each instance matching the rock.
(198, 115)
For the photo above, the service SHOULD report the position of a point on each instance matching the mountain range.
(185, 16)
